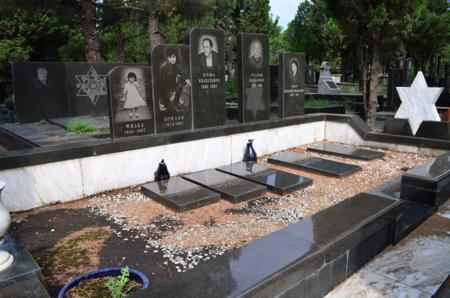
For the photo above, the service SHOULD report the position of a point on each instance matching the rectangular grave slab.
(253, 77)
(428, 183)
(180, 194)
(171, 88)
(277, 181)
(339, 150)
(313, 164)
(207, 62)
(230, 187)
(292, 84)
(131, 100)
(40, 135)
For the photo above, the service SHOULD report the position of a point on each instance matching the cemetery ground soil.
(124, 227)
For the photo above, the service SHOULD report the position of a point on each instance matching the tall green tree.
(370, 25)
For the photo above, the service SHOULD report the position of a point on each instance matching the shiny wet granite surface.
(180, 194)
(428, 183)
(340, 150)
(24, 267)
(230, 187)
(433, 170)
(277, 181)
(313, 164)
(305, 246)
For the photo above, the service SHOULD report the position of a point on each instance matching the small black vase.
(162, 173)
(250, 154)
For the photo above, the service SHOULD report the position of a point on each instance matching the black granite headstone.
(253, 77)
(313, 164)
(180, 194)
(277, 181)
(207, 62)
(292, 82)
(339, 150)
(171, 88)
(131, 112)
(434, 130)
(87, 88)
(39, 91)
(230, 187)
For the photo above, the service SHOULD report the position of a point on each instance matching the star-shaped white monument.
(91, 85)
(418, 102)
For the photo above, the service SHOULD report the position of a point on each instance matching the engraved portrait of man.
(208, 56)
(255, 55)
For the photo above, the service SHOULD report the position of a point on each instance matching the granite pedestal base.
(397, 126)
(428, 183)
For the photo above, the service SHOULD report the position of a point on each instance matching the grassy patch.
(317, 103)
(350, 89)
(80, 127)
(69, 257)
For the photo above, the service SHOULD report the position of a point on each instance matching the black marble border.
(55, 153)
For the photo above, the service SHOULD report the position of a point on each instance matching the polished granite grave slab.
(310, 256)
(230, 187)
(30, 288)
(277, 181)
(434, 130)
(313, 164)
(23, 268)
(428, 183)
(40, 135)
(180, 194)
(344, 151)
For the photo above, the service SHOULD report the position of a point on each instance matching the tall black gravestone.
(292, 84)
(130, 93)
(207, 62)
(253, 77)
(39, 91)
(171, 88)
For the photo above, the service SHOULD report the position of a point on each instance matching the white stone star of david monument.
(418, 102)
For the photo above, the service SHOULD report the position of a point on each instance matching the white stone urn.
(6, 259)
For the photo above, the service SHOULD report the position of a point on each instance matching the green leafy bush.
(80, 127)
(317, 103)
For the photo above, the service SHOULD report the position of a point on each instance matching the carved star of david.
(91, 85)
(418, 102)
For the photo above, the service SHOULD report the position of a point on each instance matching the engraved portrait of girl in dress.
(131, 100)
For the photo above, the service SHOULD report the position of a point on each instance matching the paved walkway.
(416, 267)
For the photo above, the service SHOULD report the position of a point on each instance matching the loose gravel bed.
(186, 239)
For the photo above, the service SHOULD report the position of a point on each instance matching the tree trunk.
(374, 74)
(363, 77)
(91, 44)
(154, 35)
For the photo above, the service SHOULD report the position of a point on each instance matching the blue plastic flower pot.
(134, 275)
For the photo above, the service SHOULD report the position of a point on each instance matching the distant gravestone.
(207, 63)
(39, 91)
(326, 83)
(253, 77)
(292, 82)
(171, 88)
(131, 101)
(45, 90)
